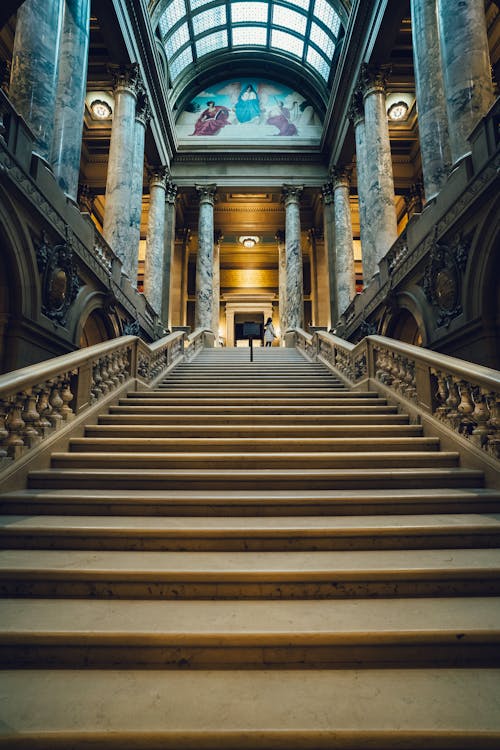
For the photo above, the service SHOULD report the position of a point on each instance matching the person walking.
(269, 332)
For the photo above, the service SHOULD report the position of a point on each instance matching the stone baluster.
(116, 229)
(142, 117)
(15, 426)
(466, 406)
(4, 433)
(329, 238)
(452, 402)
(44, 409)
(70, 100)
(357, 116)
(204, 260)
(344, 250)
(218, 237)
(493, 444)
(56, 402)
(104, 375)
(34, 72)
(30, 416)
(431, 100)
(153, 269)
(466, 62)
(67, 397)
(480, 415)
(294, 284)
(170, 200)
(381, 205)
(280, 239)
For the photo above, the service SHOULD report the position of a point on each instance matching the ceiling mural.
(249, 109)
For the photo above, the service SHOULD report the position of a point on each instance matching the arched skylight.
(305, 29)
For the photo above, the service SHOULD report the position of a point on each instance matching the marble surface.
(466, 68)
(216, 288)
(33, 80)
(70, 100)
(367, 248)
(329, 238)
(131, 259)
(155, 240)
(204, 259)
(116, 229)
(280, 240)
(294, 307)
(431, 103)
(170, 197)
(344, 251)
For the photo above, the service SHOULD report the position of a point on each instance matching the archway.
(404, 327)
(95, 329)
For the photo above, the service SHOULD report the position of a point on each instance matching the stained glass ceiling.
(307, 30)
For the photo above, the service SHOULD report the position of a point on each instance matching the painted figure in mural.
(247, 107)
(280, 118)
(211, 120)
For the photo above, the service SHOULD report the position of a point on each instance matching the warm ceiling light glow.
(248, 240)
(398, 111)
(100, 109)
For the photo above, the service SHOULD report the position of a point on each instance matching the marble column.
(431, 102)
(170, 198)
(204, 259)
(218, 237)
(357, 116)
(280, 239)
(381, 202)
(116, 229)
(294, 310)
(344, 250)
(155, 239)
(329, 235)
(34, 71)
(466, 68)
(131, 259)
(70, 100)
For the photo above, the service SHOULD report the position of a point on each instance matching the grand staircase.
(251, 556)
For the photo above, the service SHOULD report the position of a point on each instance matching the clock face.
(446, 289)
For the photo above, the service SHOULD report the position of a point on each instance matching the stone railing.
(201, 338)
(38, 400)
(461, 395)
(103, 251)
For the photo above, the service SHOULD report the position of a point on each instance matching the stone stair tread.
(249, 408)
(279, 709)
(240, 622)
(261, 566)
(255, 400)
(293, 419)
(261, 431)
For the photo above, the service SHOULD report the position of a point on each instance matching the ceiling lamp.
(100, 109)
(248, 240)
(398, 111)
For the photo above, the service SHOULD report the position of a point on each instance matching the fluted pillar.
(357, 116)
(381, 202)
(131, 257)
(431, 100)
(119, 181)
(468, 85)
(70, 100)
(329, 236)
(34, 71)
(170, 197)
(205, 260)
(155, 239)
(344, 251)
(218, 237)
(280, 239)
(294, 309)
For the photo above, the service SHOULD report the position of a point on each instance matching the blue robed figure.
(247, 107)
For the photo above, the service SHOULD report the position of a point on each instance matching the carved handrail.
(462, 395)
(37, 400)
(198, 339)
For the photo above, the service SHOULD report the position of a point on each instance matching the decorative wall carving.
(60, 282)
(442, 281)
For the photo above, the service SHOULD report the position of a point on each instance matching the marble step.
(256, 444)
(221, 407)
(236, 418)
(268, 479)
(255, 634)
(261, 432)
(254, 534)
(249, 575)
(254, 393)
(261, 400)
(254, 503)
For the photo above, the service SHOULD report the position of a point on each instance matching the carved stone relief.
(60, 282)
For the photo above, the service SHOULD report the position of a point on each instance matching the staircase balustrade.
(461, 395)
(39, 400)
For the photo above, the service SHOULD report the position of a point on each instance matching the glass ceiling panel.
(207, 29)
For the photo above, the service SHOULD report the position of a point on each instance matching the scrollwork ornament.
(442, 281)
(60, 281)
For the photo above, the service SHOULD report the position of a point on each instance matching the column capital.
(206, 193)
(280, 237)
(327, 192)
(126, 78)
(171, 192)
(291, 194)
(356, 108)
(341, 177)
(374, 78)
(143, 111)
(157, 175)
